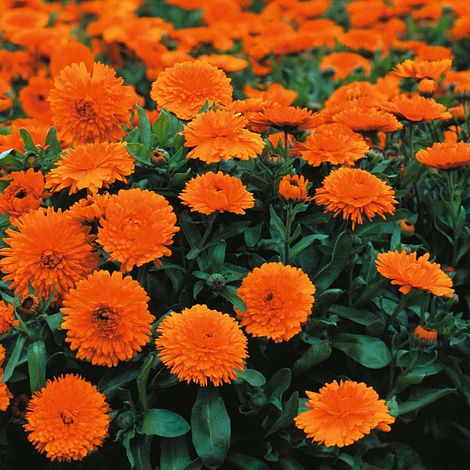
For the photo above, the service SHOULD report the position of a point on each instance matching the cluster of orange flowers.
(81, 231)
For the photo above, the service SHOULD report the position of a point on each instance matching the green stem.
(289, 221)
(454, 205)
(286, 145)
(395, 313)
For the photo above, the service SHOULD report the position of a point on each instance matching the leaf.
(14, 358)
(139, 152)
(290, 410)
(142, 379)
(161, 128)
(369, 351)
(116, 378)
(252, 376)
(54, 321)
(52, 142)
(164, 423)
(245, 462)
(174, 454)
(218, 256)
(37, 365)
(416, 376)
(305, 243)
(277, 385)
(229, 293)
(144, 127)
(210, 427)
(28, 141)
(422, 399)
(316, 353)
(362, 317)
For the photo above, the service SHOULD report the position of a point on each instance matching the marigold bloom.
(184, 88)
(406, 227)
(69, 53)
(106, 318)
(91, 166)
(427, 87)
(3, 355)
(417, 108)
(216, 192)
(7, 318)
(228, 63)
(29, 304)
(419, 69)
(293, 188)
(275, 93)
(408, 271)
(137, 227)
(24, 193)
(278, 301)
(344, 64)
(47, 252)
(90, 106)
(333, 143)
(202, 345)
(353, 192)
(367, 119)
(445, 155)
(221, 135)
(67, 419)
(33, 98)
(5, 395)
(425, 335)
(342, 413)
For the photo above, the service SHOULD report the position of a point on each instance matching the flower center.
(105, 319)
(50, 260)
(21, 194)
(67, 417)
(84, 108)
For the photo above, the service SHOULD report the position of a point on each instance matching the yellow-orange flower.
(221, 135)
(344, 64)
(90, 106)
(47, 252)
(7, 318)
(29, 304)
(293, 188)
(5, 394)
(216, 192)
(67, 419)
(425, 335)
(184, 88)
(417, 108)
(106, 318)
(445, 155)
(367, 119)
(202, 345)
(333, 143)
(355, 193)
(408, 271)
(406, 227)
(419, 69)
(342, 413)
(137, 227)
(278, 301)
(91, 166)
(3, 354)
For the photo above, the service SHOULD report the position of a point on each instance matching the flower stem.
(289, 221)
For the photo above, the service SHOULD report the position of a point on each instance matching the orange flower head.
(367, 119)
(355, 193)
(293, 188)
(86, 212)
(342, 413)
(417, 108)
(33, 98)
(275, 93)
(67, 419)
(3, 355)
(68, 54)
(228, 63)
(344, 64)
(47, 252)
(445, 155)
(106, 318)
(278, 301)
(408, 271)
(427, 87)
(406, 227)
(24, 193)
(333, 143)
(216, 192)
(90, 106)
(418, 69)
(137, 227)
(221, 135)
(29, 304)
(92, 167)
(5, 395)
(202, 345)
(426, 335)
(7, 318)
(184, 88)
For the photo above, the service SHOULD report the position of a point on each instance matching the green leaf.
(210, 427)
(252, 376)
(164, 423)
(139, 152)
(37, 365)
(54, 321)
(416, 376)
(291, 409)
(229, 293)
(277, 385)
(14, 358)
(422, 399)
(161, 128)
(305, 243)
(316, 353)
(362, 317)
(117, 377)
(54, 147)
(218, 256)
(142, 379)
(174, 454)
(245, 462)
(28, 141)
(369, 351)
(144, 127)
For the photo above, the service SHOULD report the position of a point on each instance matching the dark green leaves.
(37, 365)
(14, 358)
(422, 399)
(164, 423)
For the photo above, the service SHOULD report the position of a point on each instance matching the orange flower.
(33, 98)
(47, 252)
(90, 106)
(106, 318)
(333, 143)
(68, 54)
(342, 413)
(353, 193)
(137, 227)
(216, 192)
(427, 87)
(406, 227)
(417, 108)
(228, 63)
(419, 69)
(86, 212)
(275, 93)
(67, 419)
(202, 345)
(184, 88)
(24, 193)
(7, 318)
(91, 167)
(365, 119)
(407, 271)
(5, 395)
(445, 155)
(293, 188)
(29, 304)
(221, 135)
(344, 64)
(425, 335)
(3, 355)
(278, 301)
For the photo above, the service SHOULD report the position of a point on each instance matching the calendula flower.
(7, 318)
(333, 143)
(3, 355)
(137, 227)
(427, 87)
(367, 119)
(445, 155)
(33, 98)
(274, 93)
(344, 64)
(221, 135)
(184, 88)
(29, 304)
(408, 271)
(426, 335)
(216, 192)
(90, 105)
(86, 212)
(355, 193)
(418, 69)
(68, 54)
(278, 301)
(67, 419)
(202, 345)
(417, 108)
(92, 167)
(5, 394)
(24, 193)
(106, 318)
(293, 188)
(406, 227)
(47, 252)
(342, 413)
